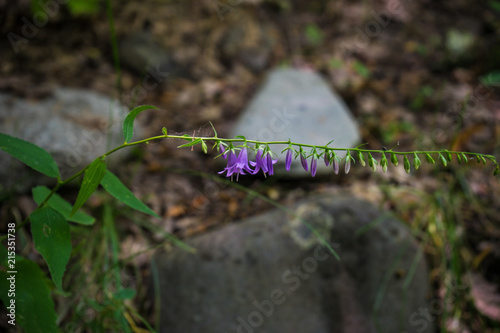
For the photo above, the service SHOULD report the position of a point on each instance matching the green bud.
(416, 161)
(478, 159)
(447, 154)
(482, 158)
(429, 159)
(204, 147)
(372, 162)
(459, 158)
(443, 160)
(465, 158)
(394, 159)
(361, 158)
(164, 130)
(383, 163)
(497, 171)
(406, 163)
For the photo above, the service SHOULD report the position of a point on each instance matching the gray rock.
(270, 273)
(72, 125)
(298, 105)
(140, 53)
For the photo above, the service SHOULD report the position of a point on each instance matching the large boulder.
(271, 273)
(301, 106)
(74, 126)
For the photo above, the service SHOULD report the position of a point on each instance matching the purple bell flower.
(237, 165)
(314, 165)
(263, 163)
(288, 159)
(303, 160)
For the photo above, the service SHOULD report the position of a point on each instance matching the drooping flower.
(336, 166)
(223, 151)
(347, 164)
(314, 164)
(288, 160)
(303, 160)
(237, 165)
(263, 163)
(327, 158)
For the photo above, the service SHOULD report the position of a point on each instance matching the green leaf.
(240, 137)
(52, 239)
(115, 187)
(361, 69)
(62, 206)
(34, 308)
(361, 158)
(91, 180)
(82, 7)
(30, 154)
(406, 163)
(394, 159)
(126, 293)
(314, 34)
(192, 143)
(128, 123)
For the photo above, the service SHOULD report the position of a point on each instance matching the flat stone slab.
(270, 273)
(301, 106)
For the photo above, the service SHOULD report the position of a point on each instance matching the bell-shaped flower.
(288, 159)
(314, 165)
(263, 163)
(237, 165)
(303, 160)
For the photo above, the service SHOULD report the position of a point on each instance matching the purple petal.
(336, 166)
(327, 160)
(288, 160)
(347, 165)
(303, 160)
(314, 164)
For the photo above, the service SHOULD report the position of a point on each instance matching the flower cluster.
(240, 165)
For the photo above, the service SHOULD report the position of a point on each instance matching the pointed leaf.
(52, 239)
(30, 154)
(34, 307)
(128, 123)
(91, 180)
(115, 187)
(60, 205)
(192, 143)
